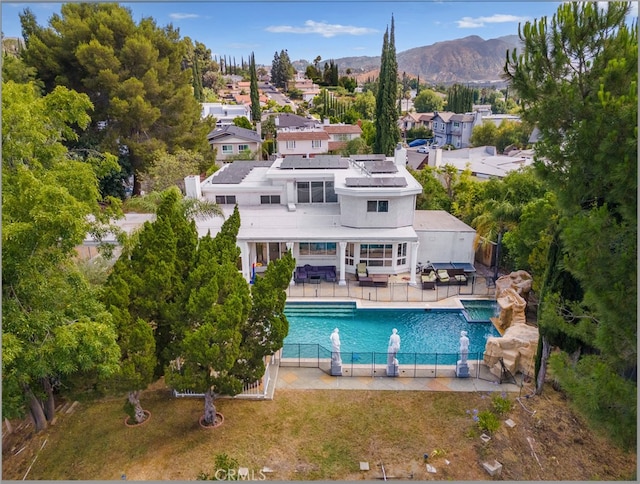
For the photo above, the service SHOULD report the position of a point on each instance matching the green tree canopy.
(428, 101)
(133, 74)
(576, 77)
(53, 326)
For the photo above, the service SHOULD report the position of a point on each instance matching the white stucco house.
(225, 113)
(333, 211)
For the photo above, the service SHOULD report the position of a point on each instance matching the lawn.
(320, 434)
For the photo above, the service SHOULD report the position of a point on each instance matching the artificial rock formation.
(518, 344)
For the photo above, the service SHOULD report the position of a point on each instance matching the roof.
(289, 120)
(464, 118)
(301, 135)
(342, 128)
(445, 116)
(483, 161)
(438, 221)
(233, 131)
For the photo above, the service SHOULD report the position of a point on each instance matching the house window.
(376, 255)
(349, 253)
(242, 148)
(316, 143)
(377, 205)
(456, 124)
(291, 144)
(226, 199)
(317, 248)
(345, 137)
(268, 251)
(316, 192)
(227, 149)
(401, 254)
(270, 199)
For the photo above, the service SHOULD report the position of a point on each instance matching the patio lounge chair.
(429, 279)
(361, 270)
(443, 275)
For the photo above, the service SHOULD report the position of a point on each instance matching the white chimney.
(400, 155)
(192, 186)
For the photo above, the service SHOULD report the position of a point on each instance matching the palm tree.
(496, 218)
(193, 208)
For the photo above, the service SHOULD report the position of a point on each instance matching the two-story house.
(341, 134)
(332, 210)
(232, 140)
(302, 141)
(453, 129)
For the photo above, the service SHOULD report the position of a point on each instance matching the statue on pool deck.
(462, 369)
(392, 350)
(335, 346)
(336, 360)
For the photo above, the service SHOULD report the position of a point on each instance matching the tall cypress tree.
(387, 131)
(255, 94)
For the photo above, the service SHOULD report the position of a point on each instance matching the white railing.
(257, 389)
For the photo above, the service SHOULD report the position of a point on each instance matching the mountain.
(466, 60)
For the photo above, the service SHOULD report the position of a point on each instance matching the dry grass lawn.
(314, 434)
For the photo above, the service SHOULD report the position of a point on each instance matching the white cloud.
(470, 22)
(183, 16)
(320, 28)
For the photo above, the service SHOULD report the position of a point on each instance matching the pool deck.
(316, 379)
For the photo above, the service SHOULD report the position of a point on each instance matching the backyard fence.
(412, 365)
(392, 291)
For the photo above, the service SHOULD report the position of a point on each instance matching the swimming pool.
(368, 330)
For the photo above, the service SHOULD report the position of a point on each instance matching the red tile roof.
(301, 135)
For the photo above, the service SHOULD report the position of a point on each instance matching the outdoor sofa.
(308, 273)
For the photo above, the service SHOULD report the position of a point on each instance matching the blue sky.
(330, 29)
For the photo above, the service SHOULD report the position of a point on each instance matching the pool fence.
(397, 290)
(375, 364)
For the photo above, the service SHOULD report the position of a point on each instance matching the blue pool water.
(368, 330)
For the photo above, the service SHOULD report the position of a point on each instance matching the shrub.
(488, 421)
(501, 403)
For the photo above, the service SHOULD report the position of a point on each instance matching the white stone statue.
(464, 347)
(335, 347)
(394, 346)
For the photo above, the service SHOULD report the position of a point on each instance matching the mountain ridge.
(468, 59)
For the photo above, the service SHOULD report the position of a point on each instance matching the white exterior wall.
(303, 147)
(445, 246)
(400, 212)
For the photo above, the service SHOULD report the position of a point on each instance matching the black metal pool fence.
(414, 365)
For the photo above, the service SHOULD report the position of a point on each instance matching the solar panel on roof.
(371, 157)
(384, 166)
(319, 162)
(395, 182)
(235, 172)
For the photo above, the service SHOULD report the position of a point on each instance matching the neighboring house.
(497, 119)
(290, 120)
(233, 140)
(454, 129)
(302, 141)
(461, 127)
(483, 161)
(415, 120)
(307, 87)
(332, 210)
(341, 134)
(226, 113)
